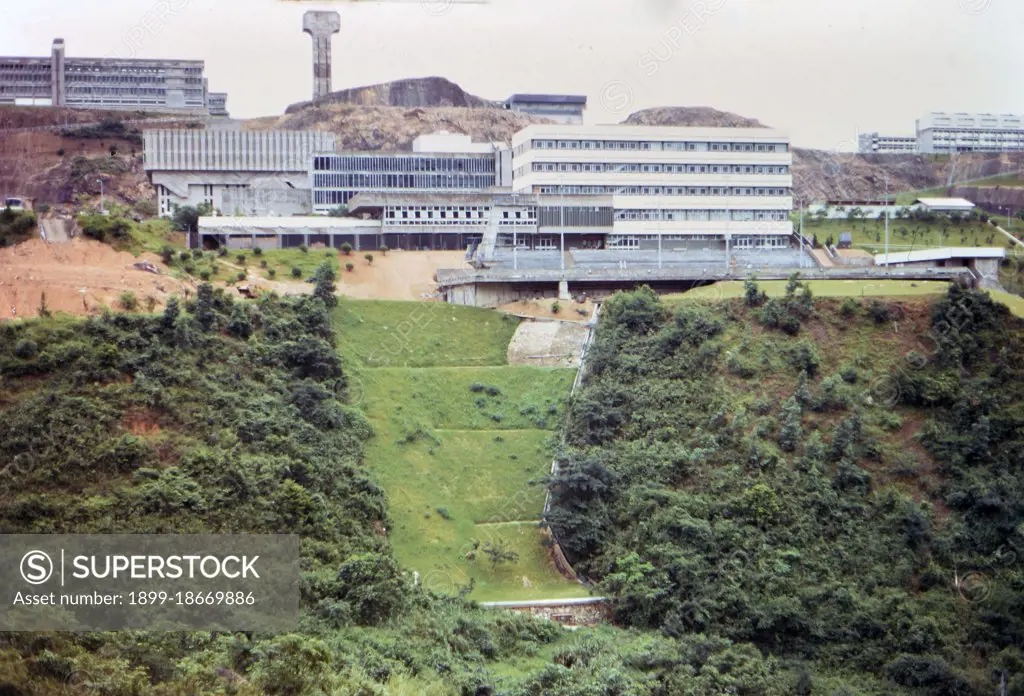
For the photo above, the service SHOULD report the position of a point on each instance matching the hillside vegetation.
(217, 416)
(835, 482)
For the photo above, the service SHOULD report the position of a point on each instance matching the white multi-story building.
(701, 185)
(946, 133)
(887, 144)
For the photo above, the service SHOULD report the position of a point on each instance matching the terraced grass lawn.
(821, 288)
(905, 235)
(379, 333)
(463, 442)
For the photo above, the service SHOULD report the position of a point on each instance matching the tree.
(204, 313)
(752, 295)
(186, 217)
(369, 258)
(240, 321)
(346, 249)
(792, 426)
(171, 312)
(324, 284)
(498, 552)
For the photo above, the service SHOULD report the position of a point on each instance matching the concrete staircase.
(485, 251)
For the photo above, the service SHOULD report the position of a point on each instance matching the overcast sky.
(820, 69)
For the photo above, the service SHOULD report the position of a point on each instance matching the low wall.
(568, 612)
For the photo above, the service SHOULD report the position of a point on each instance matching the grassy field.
(821, 288)
(905, 235)
(463, 442)
(842, 288)
(1014, 302)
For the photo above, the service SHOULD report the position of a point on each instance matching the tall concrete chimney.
(321, 26)
(57, 92)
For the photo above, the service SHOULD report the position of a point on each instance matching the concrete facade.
(486, 221)
(339, 177)
(699, 184)
(107, 83)
(560, 108)
(288, 232)
(192, 167)
(321, 26)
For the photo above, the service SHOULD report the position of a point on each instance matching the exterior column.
(321, 26)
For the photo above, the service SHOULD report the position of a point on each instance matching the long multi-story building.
(876, 143)
(700, 185)
(108, 83)
(439, 163)
(947, 133)
(215, 167)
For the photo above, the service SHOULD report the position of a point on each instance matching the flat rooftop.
(548, 99)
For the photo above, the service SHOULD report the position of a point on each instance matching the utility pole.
(800, 203)
(102, 209)
(561, 227)
(887, 223)
(660, 214)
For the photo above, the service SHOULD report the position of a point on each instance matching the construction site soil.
(78, 277)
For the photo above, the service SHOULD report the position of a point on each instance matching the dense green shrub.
(763, 511)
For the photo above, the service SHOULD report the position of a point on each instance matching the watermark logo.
(975, 7)
(437, 8)
(36, 567)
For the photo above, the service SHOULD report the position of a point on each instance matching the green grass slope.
(463, 442)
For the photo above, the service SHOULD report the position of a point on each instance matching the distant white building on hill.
(946, 133)
(876, 143)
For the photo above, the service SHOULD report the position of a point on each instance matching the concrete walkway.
(1010, 236)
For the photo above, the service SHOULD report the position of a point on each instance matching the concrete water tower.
(321, 26)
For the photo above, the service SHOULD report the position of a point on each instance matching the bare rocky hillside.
(394, 127)
(419, 91)
(691, 116)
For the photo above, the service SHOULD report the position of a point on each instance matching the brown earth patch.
(78, 277)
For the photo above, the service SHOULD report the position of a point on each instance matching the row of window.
(662, 168)
(470, 182)
(402, 164)
(645, 214)
(760, 242)
(650, 145)
(665, 190)
(129, 79)
(454, 212)
(78, 68)
(672, 190)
